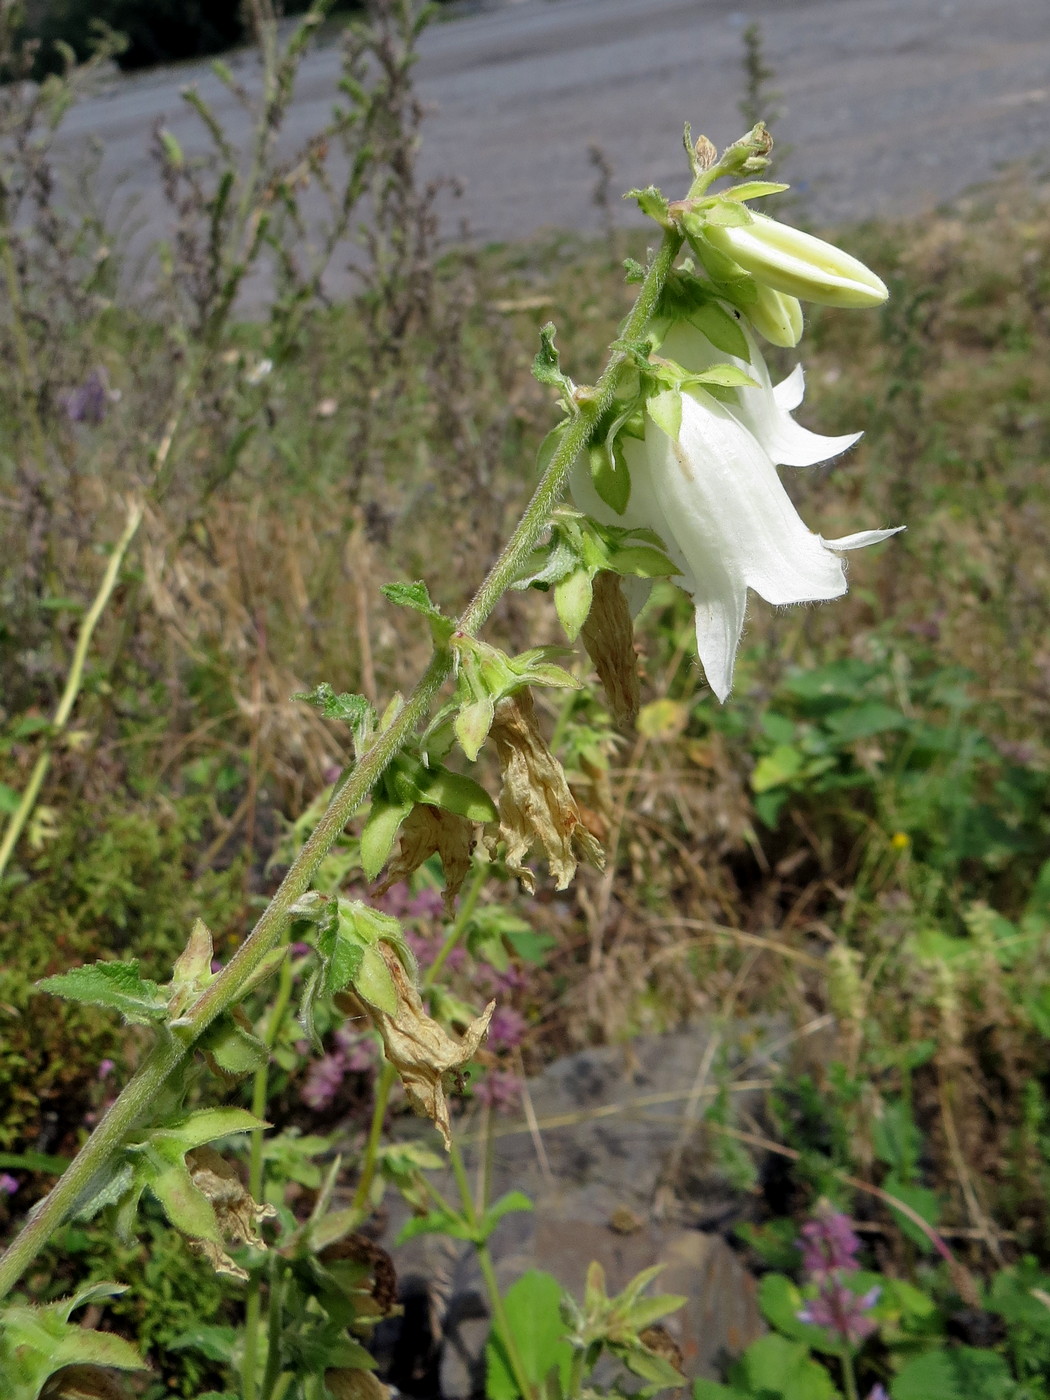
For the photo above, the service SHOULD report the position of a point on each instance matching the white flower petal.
(764, 410)
(862, 538)
(788, 393)
(721, 496)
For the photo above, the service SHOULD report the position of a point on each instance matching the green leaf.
(188, 1209)
(533, 1305)
(727, 215)
(9, 800)
(781, 1302)
(205, 1125)
(727, 376)
(216, 1343)
(922, 1200)
(610, 474)
(116, 985)
(455, 792)
(644, 562)
(784, 1369)
(81, 1346)
(506, 1205)
(713, 1390)
(665, 409)
(721, 329)
(652, 203)
(546, 367)
(373, 983)
(777, 768)
(411, 595)
(634, 270)
(341, 958)
(379, 834)
(963, 1373)
(437, 1222)
(572, 601)
(35, 1162)
(754, 189)
(472, 725)
(233, 1048)
(354, 711)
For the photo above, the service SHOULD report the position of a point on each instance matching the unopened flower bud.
(796, 263)
(776, 316)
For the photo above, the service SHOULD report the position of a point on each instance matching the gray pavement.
(889, 106)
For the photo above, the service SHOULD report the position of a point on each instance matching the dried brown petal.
(355, 1384)
(608, 635)
(83, 1383)
(359, 1249)
(419, 1049)
(536, 807)
(237, 1213)
(430, 829)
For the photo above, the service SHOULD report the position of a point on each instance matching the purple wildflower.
(506, 1029)
(879, 1393)
(88, 402)
(323, 1081)
(500, 1089)
(8, 1184)
(501, 984)
(828, 1243)
(105, 1068)
(427, 904)
(842, 1311)
(359, 1051)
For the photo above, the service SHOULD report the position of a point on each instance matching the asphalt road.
(888, 106)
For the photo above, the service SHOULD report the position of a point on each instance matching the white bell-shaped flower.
(714, 497)
(764, 409)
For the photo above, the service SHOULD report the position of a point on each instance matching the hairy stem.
(228, 986)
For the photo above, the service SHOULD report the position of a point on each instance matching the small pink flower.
(8, 1183)
(879, 1393)
(828, 1242)
(323, 1081)
(842, 1311)
(105, 1068)
(506, 1029)
(501, 1090)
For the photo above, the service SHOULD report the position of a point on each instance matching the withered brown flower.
(421, 1051)
(608, 635)
(536, 807)
(426, 830)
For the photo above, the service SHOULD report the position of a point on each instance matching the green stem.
(849, 1377)
(226, 989)
(260, 1094)
(501, 1321)
(458, 925)
(384, 1084)
(74, 680)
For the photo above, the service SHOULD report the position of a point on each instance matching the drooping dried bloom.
(419, 1049)
(426, 830)
(608, 635)
(356, 1384)
(536, 807)
(237, 1213)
